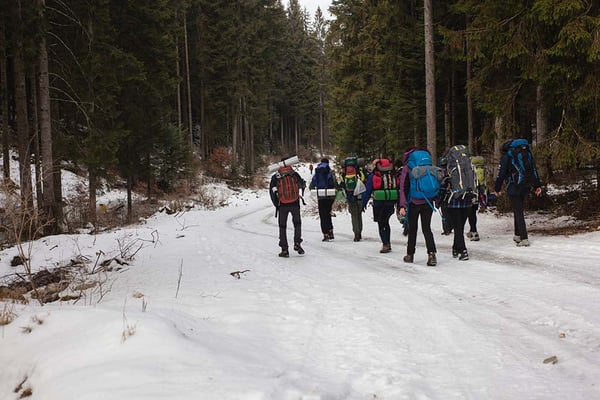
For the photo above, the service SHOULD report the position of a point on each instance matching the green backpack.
(479, 165)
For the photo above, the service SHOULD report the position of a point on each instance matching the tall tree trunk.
(321, 121)
(129, 196)
(178, 74)
(447, 136)
(541, 124)
(234, 130)
(50, 204)
(470, 137)
(296, 135)
(204, 145)
(281, 127)
(24, 140)
(453, 105)
(188, 83)
(92, 186)
(498, 139)
(4, 103)
(430, 80)
(35, 140)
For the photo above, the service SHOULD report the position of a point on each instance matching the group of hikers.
(412, 188)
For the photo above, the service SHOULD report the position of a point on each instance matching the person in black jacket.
(516, 192)
(326, 184)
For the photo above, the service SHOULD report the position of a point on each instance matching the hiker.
(324, 181)
(517, 169)
(284, 190)
(419, 183)
(446, 222)
(460, 183)
(382, 185)
(353, 180)
(480, 203)
(310, 167)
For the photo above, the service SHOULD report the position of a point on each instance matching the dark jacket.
(323, 177)
(505, 174)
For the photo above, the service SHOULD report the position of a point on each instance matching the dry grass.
(7, 314)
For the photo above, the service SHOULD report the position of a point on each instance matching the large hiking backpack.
(478, 163)
(351, 174)
(288, 188)
(424, 176)
(385, 185)
(463, 179)
(523, 167)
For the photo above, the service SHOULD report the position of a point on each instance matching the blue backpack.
(524, 173)
(424, 177)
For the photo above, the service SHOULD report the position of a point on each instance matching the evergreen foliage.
(130, 79)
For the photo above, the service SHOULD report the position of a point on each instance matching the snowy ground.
(341, 322)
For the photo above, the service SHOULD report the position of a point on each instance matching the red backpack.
(385, 183)
(287, 185)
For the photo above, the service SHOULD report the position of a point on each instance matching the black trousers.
(425, 212)
(519, 215)
(325, 206)
(284, 210)
(381, 215)
(459, 216)
(473, 218)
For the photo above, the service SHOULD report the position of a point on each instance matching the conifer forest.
(151, 90)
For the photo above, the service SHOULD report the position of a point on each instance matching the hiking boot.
(357, 238)
(409, 258)
(325, 237)
(454, 253)
(516, 239)
(475, 237)
(431, 260)
(464, 256)
(331, 234)
(523, 243)
(284, 253)
(469, 235)
(298, 248)
(386, 248)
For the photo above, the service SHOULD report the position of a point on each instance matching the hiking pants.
(382, 214)
(473, 218)
(414, 211)
(519, 216)
(459, 217)
(284, 210)
(355, 209)
(325, 206)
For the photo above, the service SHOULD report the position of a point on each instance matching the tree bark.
(188, 83)
(498, 139)
(4, 103)
(50, 205)
(470, 137)
(92, 185)
(24, 140)
(430, 80)
(541, 123)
